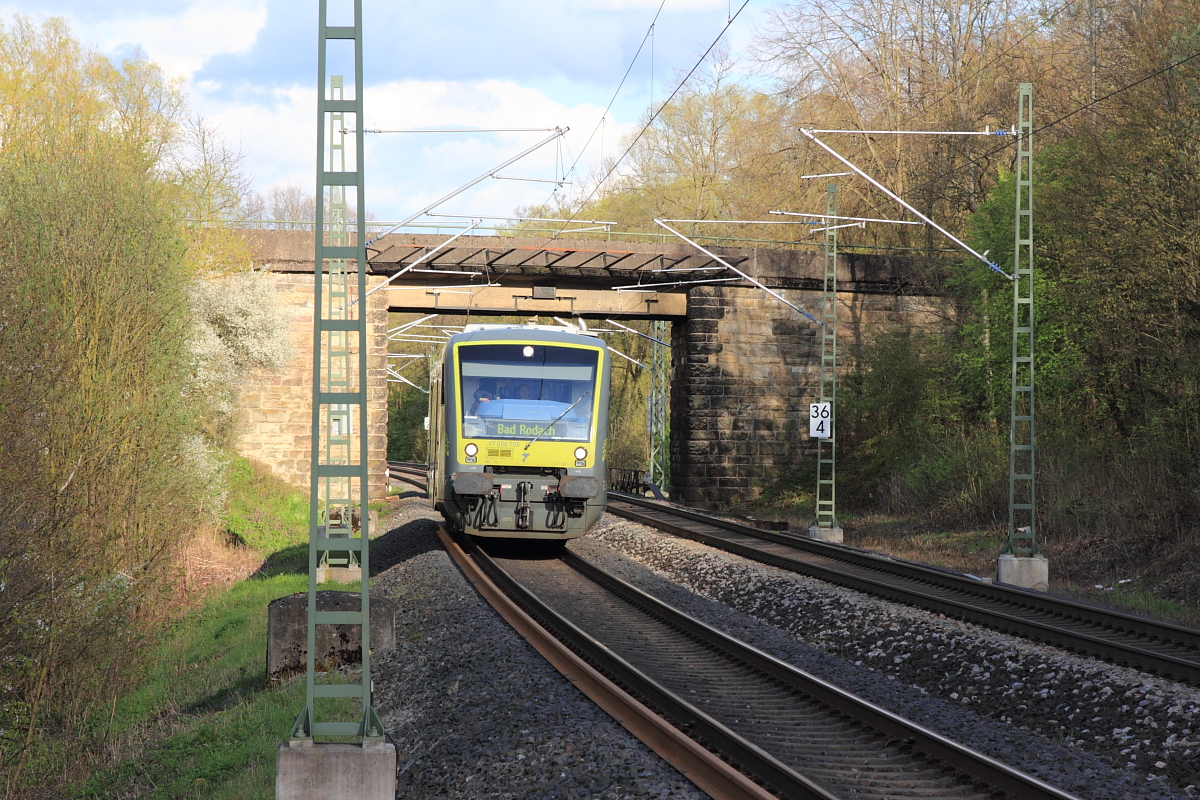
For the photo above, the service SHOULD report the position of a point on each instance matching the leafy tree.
(106, 435)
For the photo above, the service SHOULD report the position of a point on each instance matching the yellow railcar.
(518, 420)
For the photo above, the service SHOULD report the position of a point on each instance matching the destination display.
(525, 392)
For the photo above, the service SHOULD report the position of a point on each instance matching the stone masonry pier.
(275, 424)
(744, 369)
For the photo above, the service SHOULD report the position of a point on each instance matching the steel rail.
(408, 472)
(1168, 650)
(971, 770)
(703, 768)
(749, 756)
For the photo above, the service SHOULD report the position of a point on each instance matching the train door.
(434, 444)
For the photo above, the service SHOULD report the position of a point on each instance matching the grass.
(1132, 601)
(204, 722)
(965, 549)
(210, 722)
(975, 551)
(970, 550)
(265, 513)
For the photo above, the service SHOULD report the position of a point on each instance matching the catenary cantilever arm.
(732, 268)
(990, 265)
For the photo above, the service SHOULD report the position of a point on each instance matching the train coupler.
(523, 513)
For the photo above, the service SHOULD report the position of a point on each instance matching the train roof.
(526, 327)
(536, 333)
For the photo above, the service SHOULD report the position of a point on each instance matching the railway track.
(1124, 639)
(791, 732)
(1127, 640)
(408, 472)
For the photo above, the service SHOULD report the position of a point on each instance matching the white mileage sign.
(819, 421)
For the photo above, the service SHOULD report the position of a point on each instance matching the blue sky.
(250, 67)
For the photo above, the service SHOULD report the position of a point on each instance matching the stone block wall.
(745, 366)
(275, 424)
(744, 369)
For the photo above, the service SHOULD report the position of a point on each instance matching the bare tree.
(909, 65)
(292, 208)
(208, 172)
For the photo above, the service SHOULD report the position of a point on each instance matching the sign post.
(819, 419)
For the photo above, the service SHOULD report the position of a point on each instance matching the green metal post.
(827, 448)
(339, 482)
(660, 378)
(1022, 494)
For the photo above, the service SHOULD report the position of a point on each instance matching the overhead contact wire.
(620, 85)
(655, 113)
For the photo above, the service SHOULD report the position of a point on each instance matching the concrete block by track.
(1028, 572)
(825, 534)
(335, 772)
(287, 632)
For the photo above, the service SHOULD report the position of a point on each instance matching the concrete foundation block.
(825, 534)
(287, 632)
(1028, 572)
(335, 772)
(338, 574)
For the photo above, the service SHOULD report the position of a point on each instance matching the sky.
(250, 68)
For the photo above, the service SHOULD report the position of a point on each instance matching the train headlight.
(580, 453)
(471, 449)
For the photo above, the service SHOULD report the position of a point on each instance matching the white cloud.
(484, 104)
(275, 132)
(439, 163)
(182, 43)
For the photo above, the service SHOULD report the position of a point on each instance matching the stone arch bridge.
(744, 365)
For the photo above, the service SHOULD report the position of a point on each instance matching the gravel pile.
(1088, 727)
(475, 712)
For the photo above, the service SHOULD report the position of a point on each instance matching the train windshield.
(526, 391)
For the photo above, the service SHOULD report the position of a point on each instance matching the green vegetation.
(122, 356)
(203, 723)
(94, 485)
(265, 513)
(407, 409)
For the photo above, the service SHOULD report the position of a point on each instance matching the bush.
(110, 462)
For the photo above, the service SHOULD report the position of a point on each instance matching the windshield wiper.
(560, 416)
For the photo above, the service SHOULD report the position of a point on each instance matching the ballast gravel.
(1093, 729)
(474, 711)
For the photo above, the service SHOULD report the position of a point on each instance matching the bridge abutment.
(275, 425)
(745, 367)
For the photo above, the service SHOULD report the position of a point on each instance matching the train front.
(526, 426)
